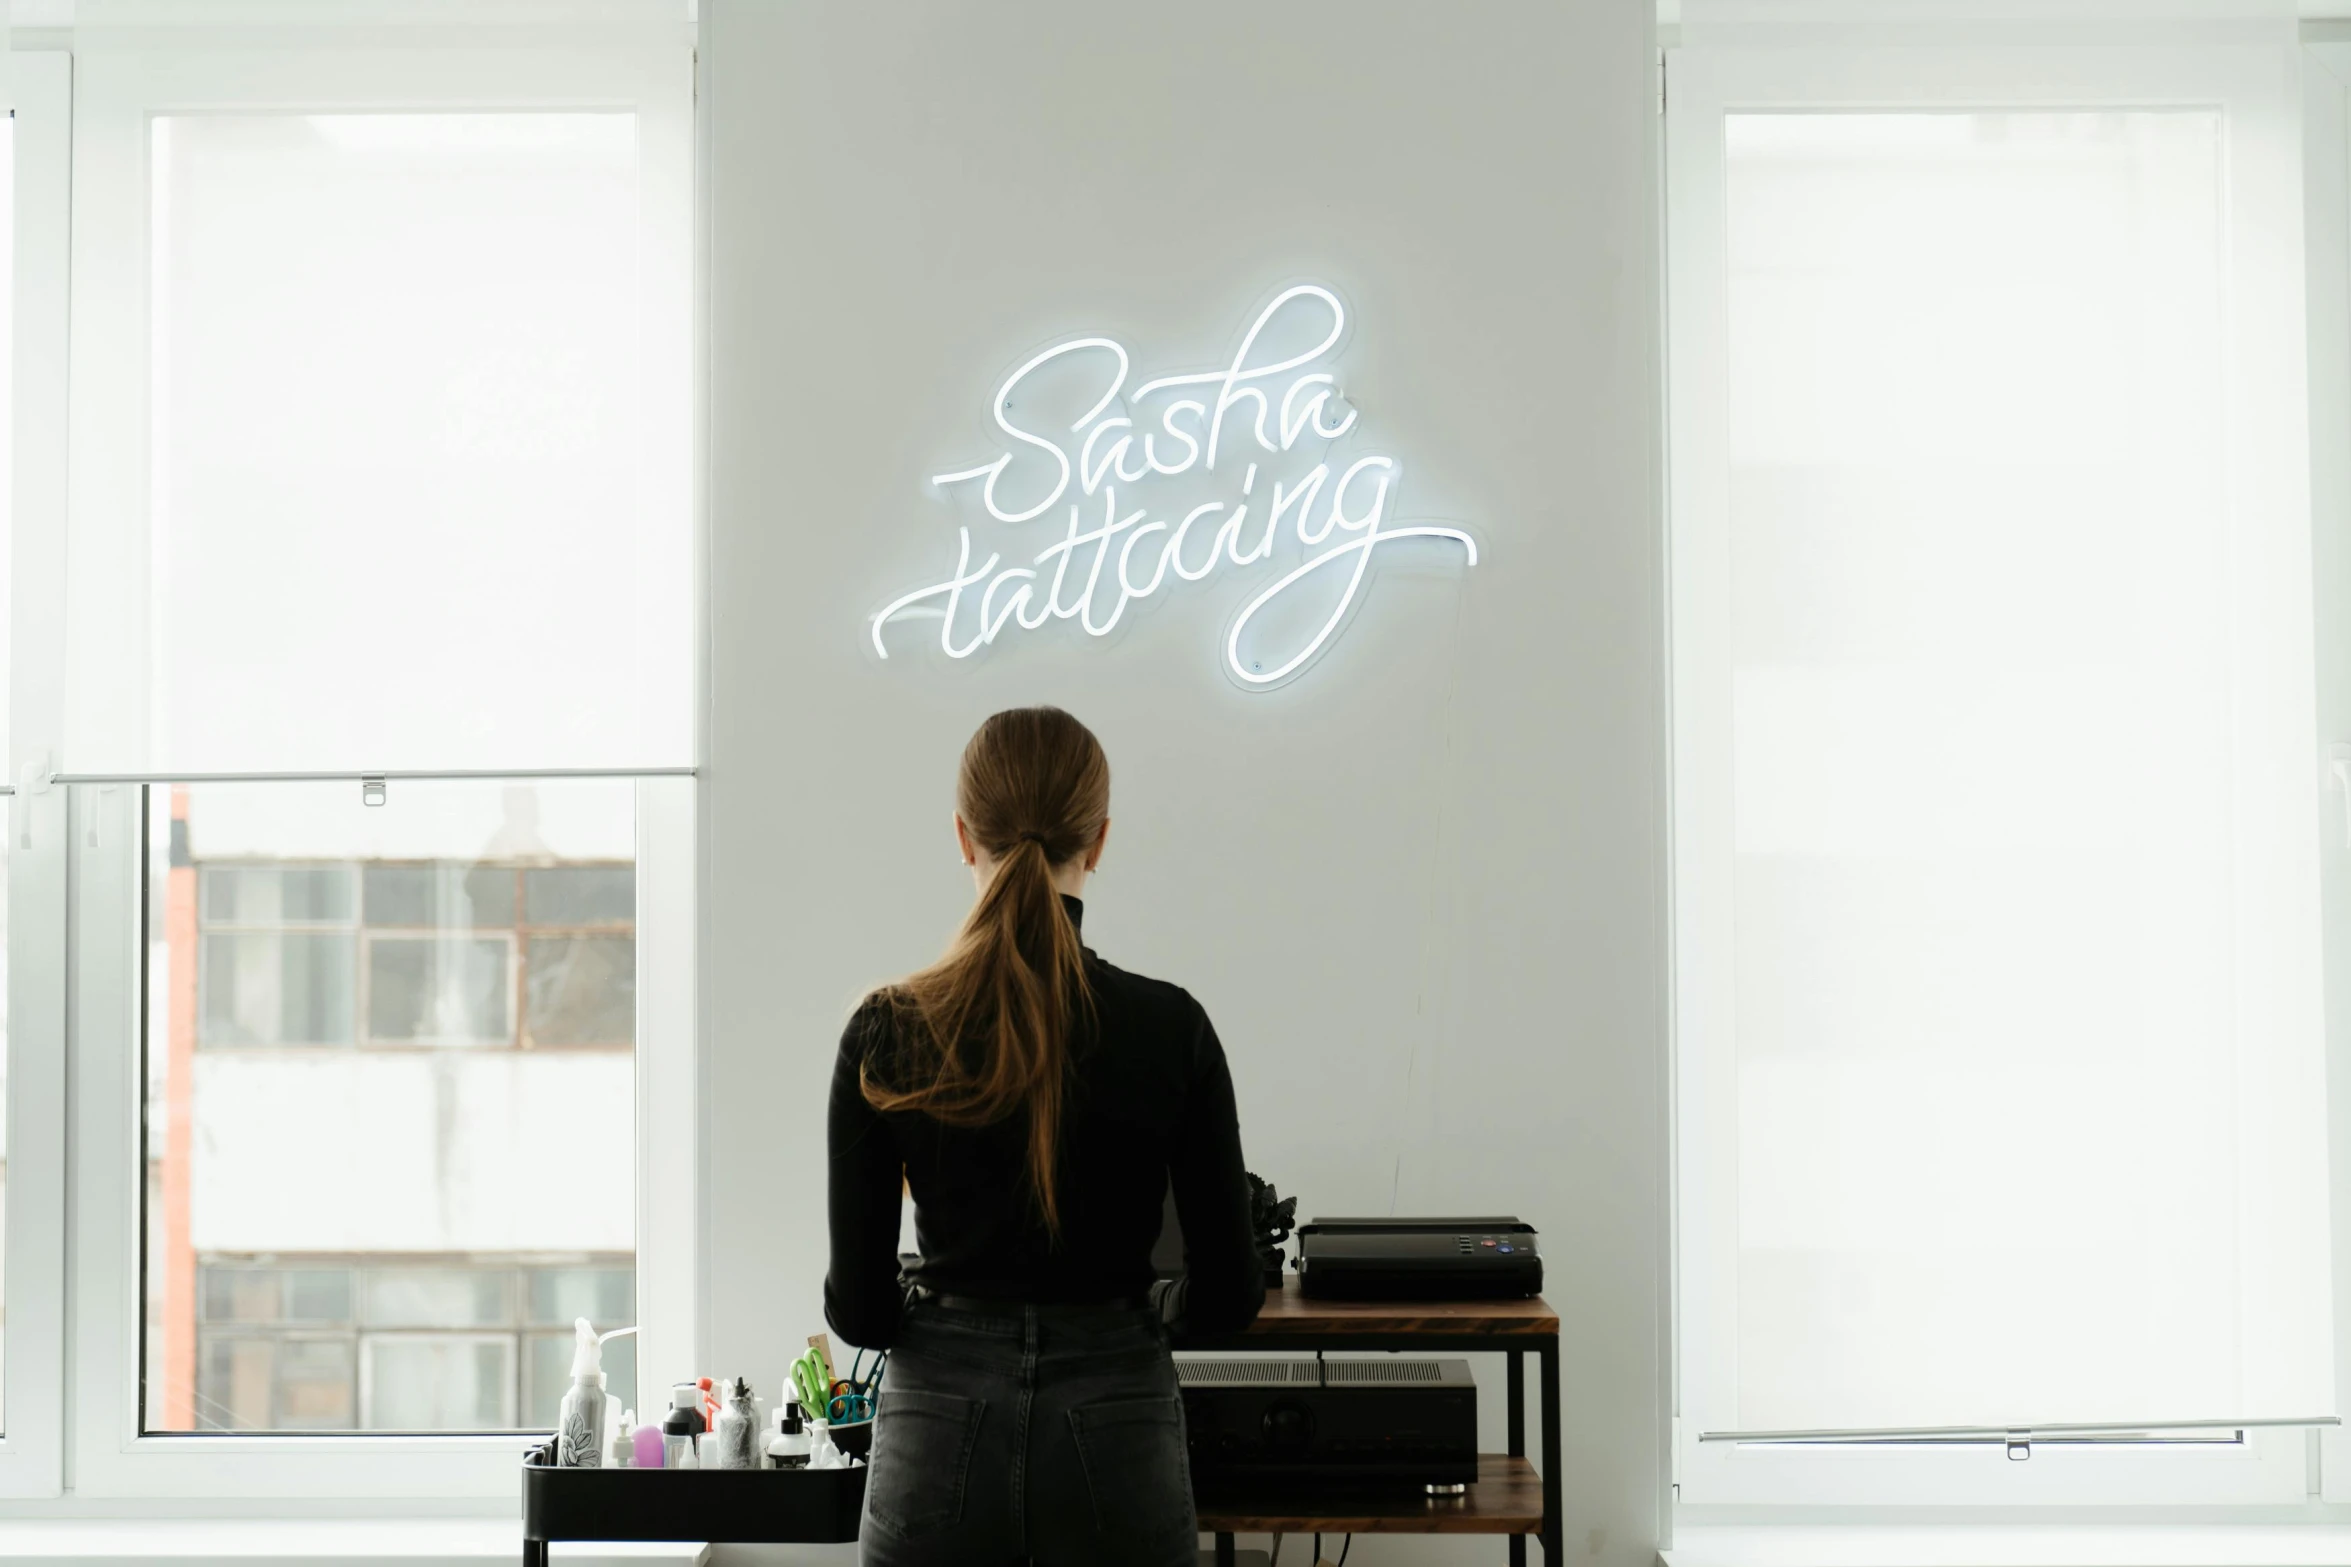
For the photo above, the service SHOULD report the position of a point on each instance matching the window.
(7, 294)
(381, 433)
(284, 954)
(32, 874)
(307, 1013)
(1999, 1029)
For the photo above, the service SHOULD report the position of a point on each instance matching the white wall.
(1420, 889)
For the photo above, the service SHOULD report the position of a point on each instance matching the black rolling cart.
(723, 1506)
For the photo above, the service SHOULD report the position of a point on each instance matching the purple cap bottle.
(648, 1440)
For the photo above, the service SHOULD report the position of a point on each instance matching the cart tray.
(779, 1506)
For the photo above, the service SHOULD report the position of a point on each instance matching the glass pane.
(583, 990)
(581, 895)
(318, 1295)
(313, 1384)
(291, 988)
(253, 1383)
(436, 1298)
(241, 1295)
(1978, 554)
(442, 1383)
(309, 1296)
(605, 1296)
(391, 1285)
(267, 895)
(449, 897)
(426, 991)
(409, 435)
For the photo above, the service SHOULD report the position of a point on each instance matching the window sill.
(286, 1542)
(2024, 1545)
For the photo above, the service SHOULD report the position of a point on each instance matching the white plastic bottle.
(734, 1442)
(682, 1426)
(788, 1448)
(579, 1430)
(822, 1454)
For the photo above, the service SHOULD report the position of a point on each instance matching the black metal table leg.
(1554, 1527)
(534, 1553)
(1517, 1431)
(1224, 1550)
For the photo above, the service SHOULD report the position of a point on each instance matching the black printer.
(1418, 1259)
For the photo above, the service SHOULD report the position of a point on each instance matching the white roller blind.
(411, 404)
(1999, 1022)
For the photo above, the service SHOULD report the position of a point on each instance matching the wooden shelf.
(1289, 1314)
(1506, 1498)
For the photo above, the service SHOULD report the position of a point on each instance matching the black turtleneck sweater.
(1150, 1104)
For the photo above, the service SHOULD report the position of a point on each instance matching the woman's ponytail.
(986, 1030)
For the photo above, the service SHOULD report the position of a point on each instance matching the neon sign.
(1136, 519)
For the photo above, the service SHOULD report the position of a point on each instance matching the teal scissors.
(853, 1396)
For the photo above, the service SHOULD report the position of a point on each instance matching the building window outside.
(432, 954)
(366, 1343)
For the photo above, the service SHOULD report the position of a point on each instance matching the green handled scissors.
(808, 1380)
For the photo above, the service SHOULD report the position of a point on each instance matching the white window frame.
(38, 86)
(2326, 143)
(505, 58)
(2251, 83)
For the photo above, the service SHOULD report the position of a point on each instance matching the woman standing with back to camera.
(1039, 1103)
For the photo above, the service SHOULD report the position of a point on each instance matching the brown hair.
(985, 1031)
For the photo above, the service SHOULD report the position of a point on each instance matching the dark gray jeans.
(1051, 1435)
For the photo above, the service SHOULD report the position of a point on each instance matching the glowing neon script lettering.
(1091, 573)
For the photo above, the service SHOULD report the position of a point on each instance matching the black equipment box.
(1335, 1422)
(1418, 1259)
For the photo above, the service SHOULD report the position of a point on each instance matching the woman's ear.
(963, 840)
(1101, 839)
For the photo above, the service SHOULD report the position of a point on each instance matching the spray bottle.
(579, 1436)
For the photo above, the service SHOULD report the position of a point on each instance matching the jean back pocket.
(922, 1446)
(1136, 1469)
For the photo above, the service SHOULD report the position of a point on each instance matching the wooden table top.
(1291, 1314)
(1506, 1498)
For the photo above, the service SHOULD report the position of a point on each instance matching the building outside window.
(288, 984)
